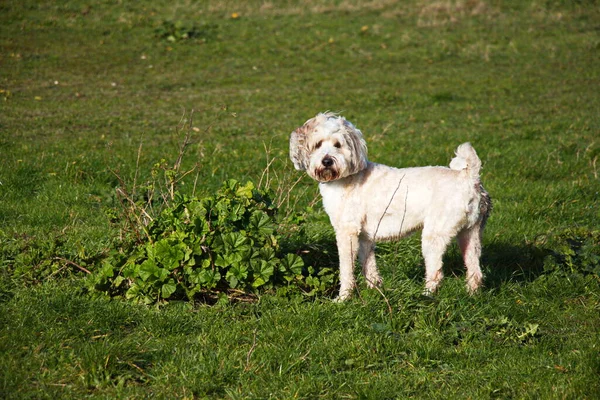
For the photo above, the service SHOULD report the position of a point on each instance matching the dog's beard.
(326, 174)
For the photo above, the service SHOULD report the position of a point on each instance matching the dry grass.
(301, 7)
(439, 13)
(430, 13)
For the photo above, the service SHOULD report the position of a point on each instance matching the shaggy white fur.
(368, 202)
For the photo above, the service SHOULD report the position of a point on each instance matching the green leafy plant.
(507, 330)
(227, 242)
(577, 251)
(31, 260)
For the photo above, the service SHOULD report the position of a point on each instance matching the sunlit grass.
(94, 94)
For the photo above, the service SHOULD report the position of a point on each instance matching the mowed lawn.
(93, 95)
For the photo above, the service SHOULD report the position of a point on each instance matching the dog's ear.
(358, 147)
(299, 148)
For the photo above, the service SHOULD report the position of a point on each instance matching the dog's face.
(328, 147)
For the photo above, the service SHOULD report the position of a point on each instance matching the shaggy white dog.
(368, 202)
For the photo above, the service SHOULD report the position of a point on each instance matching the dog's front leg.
(347, 244)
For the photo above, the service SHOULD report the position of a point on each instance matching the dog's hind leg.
(347, 249)
(433, 247)
(469, 242)
(366, 256)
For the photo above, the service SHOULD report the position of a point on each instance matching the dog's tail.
(466, 159)
(468, 163)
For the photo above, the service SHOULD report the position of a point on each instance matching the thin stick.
(267, 168)
(73, 264)
(401, 224)
(252, 348)
(266, 171)
(404, 214)
(384, 298)
(122, 193)
(137, 165)
(126, 197)
(388, 206)
(196, 179)
(186, 141)
(286, 198)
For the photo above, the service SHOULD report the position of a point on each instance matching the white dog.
(368, 202)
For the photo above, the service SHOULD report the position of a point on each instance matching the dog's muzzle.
(327, 171)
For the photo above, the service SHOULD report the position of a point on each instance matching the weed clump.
(226, 243)
(577, 251)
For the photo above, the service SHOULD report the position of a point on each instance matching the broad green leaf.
(230, 184)
(233, 241)
(133, 292)
(266, 253)
(240, 270)
(107, 270)
(147, 269)
(162, 274)
(262, 271)
(226, 260)
(236, 212)
(233, 281)
(168, 254)
(168, 289)
(261, 223)
(201, 227)
(292, 263)
(197, 210)
(258, 282)
(209, 278)
(236, 273)
(118, 280)
(246, 190)
(150, 251)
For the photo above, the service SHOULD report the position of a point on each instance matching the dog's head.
(328, 147)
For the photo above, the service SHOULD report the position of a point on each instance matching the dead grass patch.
(440, 13)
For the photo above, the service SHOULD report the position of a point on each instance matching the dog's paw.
(473, 289)
(343, 296)
(374, 281)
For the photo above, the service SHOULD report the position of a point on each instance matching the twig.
(137, 166)
(286, 198)
(196, 179)
(404, 214)
(184, 174)
(121, 193)
(186, 141)
(388, 206)
(130, 200)
(267, 168)
(73, 264)
(249, 354)
(401, 224)
(384, 298)
(131, 364)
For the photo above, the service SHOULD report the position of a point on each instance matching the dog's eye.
(337, 145)
(318, 145)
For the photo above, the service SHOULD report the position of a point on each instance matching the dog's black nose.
(327, 162)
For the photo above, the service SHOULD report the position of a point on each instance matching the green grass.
(61, 345)
(84, 86)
